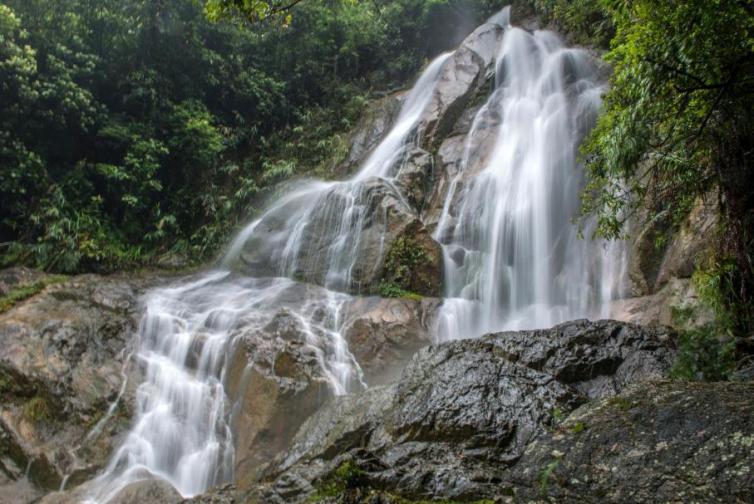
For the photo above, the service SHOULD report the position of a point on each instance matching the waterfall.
(512, 256)
(513, 259)
(182, 430)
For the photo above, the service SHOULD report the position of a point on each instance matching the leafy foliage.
(679, 124)
(134, 128)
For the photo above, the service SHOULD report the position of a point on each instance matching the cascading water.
(513, 259)
(320, 223)
(182, 432)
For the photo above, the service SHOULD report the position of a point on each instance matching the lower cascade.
(512, 259)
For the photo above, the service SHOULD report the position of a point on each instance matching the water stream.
(512, 260)
(182, 429)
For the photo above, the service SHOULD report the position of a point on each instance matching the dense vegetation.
(134, 128)
(678, 127)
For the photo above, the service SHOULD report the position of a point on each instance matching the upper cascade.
(513, 258)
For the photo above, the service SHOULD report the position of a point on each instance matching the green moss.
(38, 409)
(558, 415)
(578, 428)
(619, 403)
(348, 484)
(402, 274)
(24, 292)
(544, 478)
(392, 290)
(346, 476)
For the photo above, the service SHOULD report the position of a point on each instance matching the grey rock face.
(465, 411)
(372, 128)
(658, 442)
(63, 360)
(148, 491)
(464, 74)
(275, 378)
(383, 334)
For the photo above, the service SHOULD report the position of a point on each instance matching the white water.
(512, 260)
(323, 221)
(182, 431)
(512, 256)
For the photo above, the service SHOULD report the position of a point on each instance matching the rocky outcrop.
(66, 389)
(384, 333)
(343, 236)
(462, 412)
(658, 442)
(660, 252)
(345, 230)
(274, 381)
(372, 128)
(278, 373)
(467, 70)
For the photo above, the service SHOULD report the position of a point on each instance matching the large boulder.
(65, 381)
(372, 128)
(336, 235)
(463, 75)
(464, 411)
(286, 361)
(658, 442)
(384, 333)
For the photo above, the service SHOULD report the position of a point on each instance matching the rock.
(467, 70)
(692, 245)
(413, 263)
(274, 381)
(143, 491)
(324, 250)
(11, 278)
(370, 131)
(222, 495)
(658, 442)
(464, 411)
(148, 492)
(63, 362)
(676, 304)
(660, 252)
(414, 177)
(383, 333)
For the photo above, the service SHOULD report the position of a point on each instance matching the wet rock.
(370, 131)
(348, 257)
(274, 382)
(63, 357)
(414, 177)
(148, 492)
(384, 333)
(658, 442)
(226, 494)
(467, 70)
(413, 263)
(464, 411)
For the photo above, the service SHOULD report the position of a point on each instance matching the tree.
(679, 123)
(252, 10)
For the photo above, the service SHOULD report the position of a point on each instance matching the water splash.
(513, 259)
